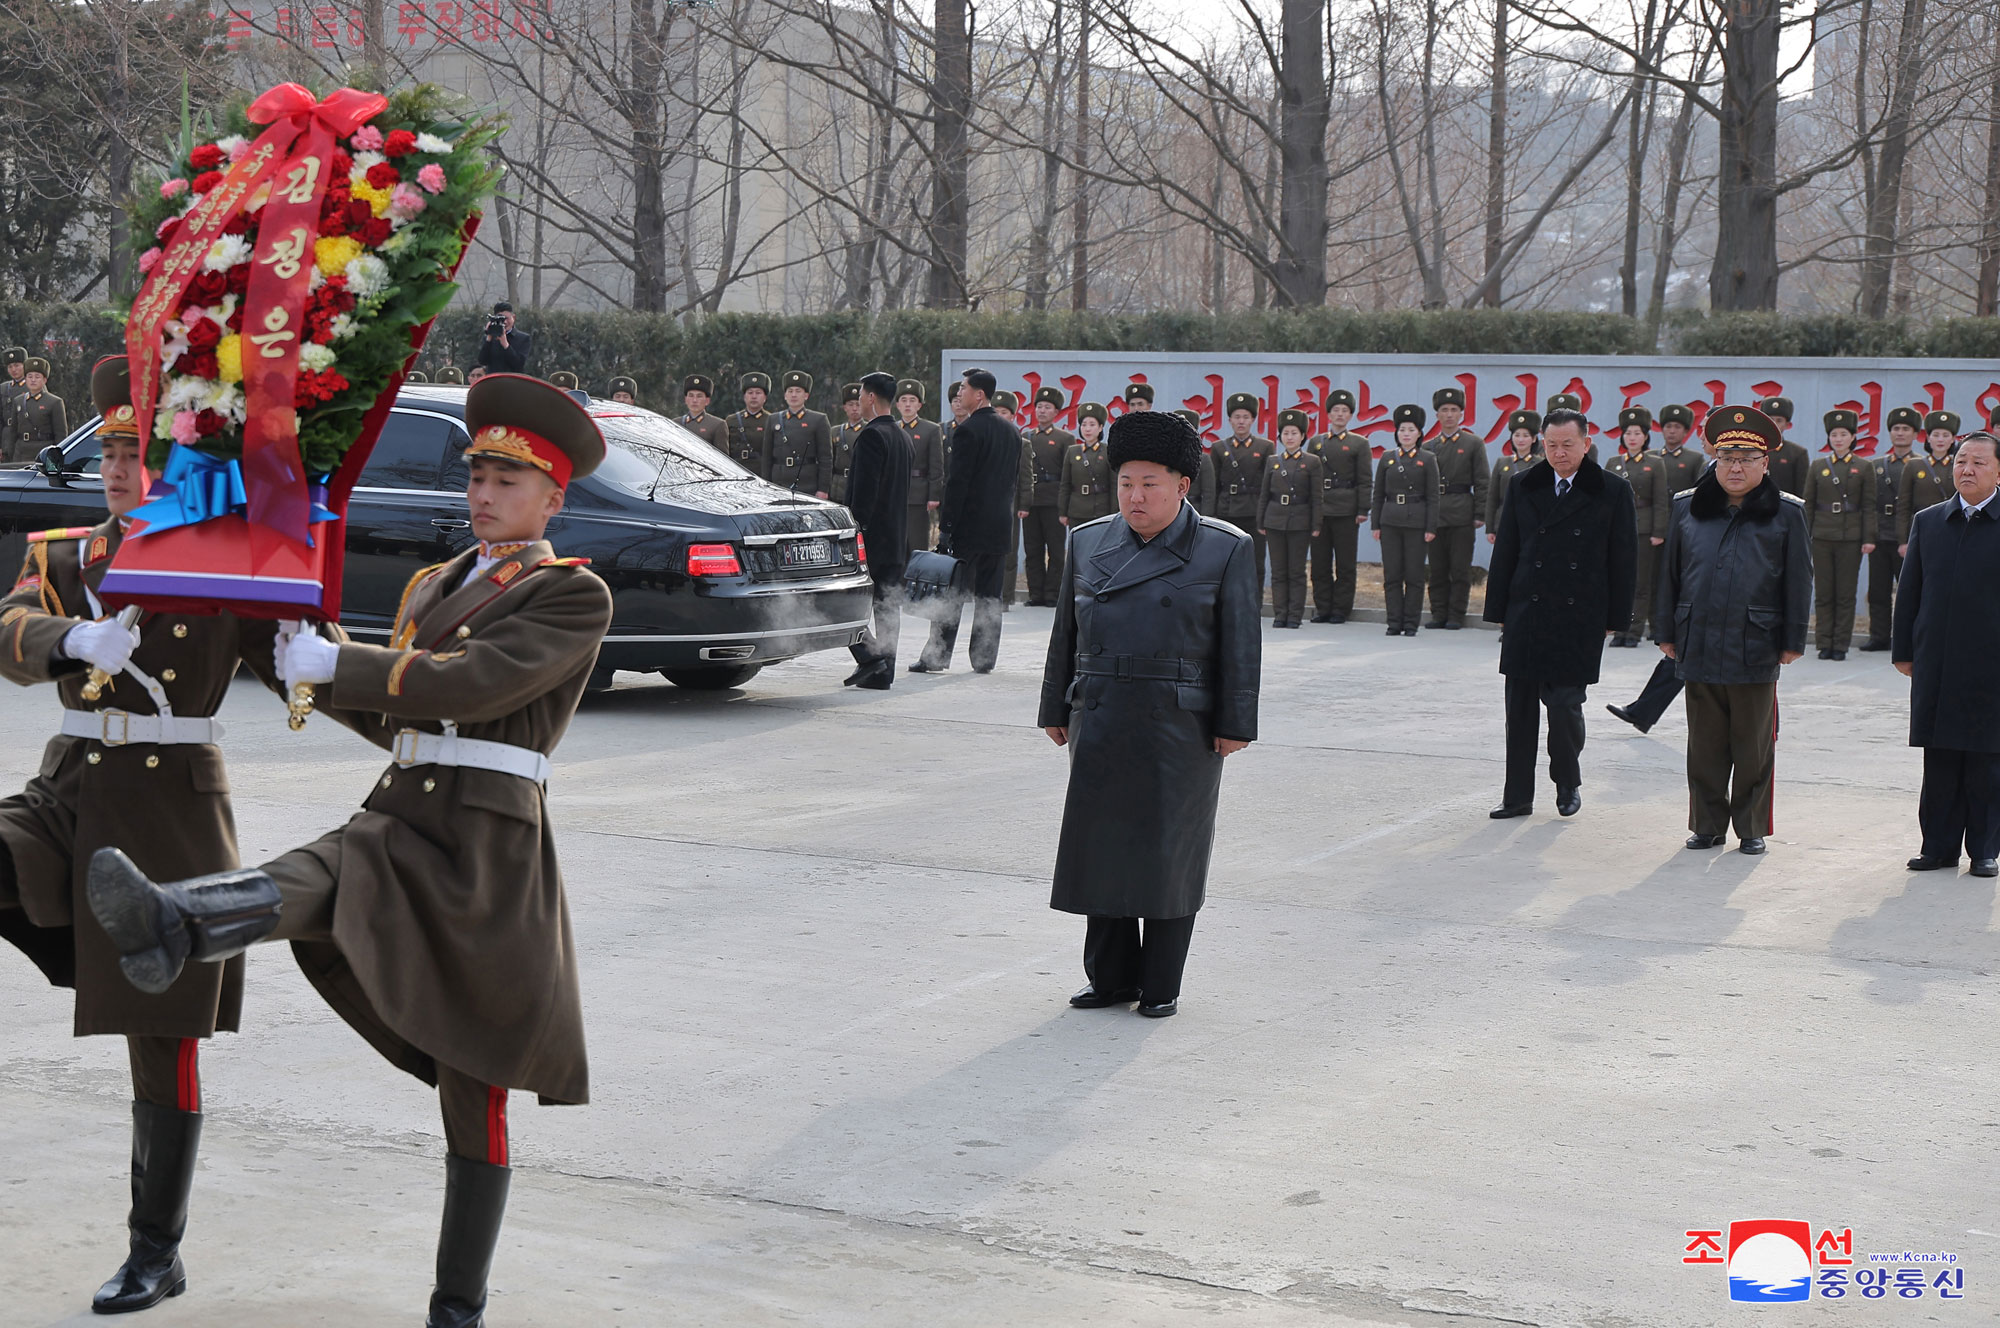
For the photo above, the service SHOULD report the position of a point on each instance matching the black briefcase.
(934, 583)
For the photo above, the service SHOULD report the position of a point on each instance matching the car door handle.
(450, 523)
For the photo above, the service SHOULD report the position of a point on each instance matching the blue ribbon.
(196, 487)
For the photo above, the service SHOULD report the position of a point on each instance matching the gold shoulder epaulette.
(1685, 493)
(1791, 498)
(568, 562)
(60, 533)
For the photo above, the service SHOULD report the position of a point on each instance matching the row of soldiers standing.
(31, 416)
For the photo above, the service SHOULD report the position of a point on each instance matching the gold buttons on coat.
(167, 675)
(385, 781)
(180, 629)
(94, 757)
(153, 763)
(464, 632)
(430, 786)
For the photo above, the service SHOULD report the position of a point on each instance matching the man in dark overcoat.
(878, 493)
(1946, 640)
(1562, 580)
(976, 523)
(1151, 680)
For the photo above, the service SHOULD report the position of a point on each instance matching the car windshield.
(647, 452)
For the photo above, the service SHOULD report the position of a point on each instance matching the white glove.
(308, 658)
(104, 645)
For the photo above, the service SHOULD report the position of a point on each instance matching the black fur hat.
(1155, 435)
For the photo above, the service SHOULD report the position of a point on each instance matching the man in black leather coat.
(1151, 681)
(976, 523)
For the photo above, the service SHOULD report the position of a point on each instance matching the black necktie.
(1562, 487)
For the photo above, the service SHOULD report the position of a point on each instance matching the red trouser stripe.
(187, 1073)
(496, 1126)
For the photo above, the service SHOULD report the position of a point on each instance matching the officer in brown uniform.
(1005, 404)
(1640, 469)
(135, 764)
(1039, 495)
(624, 391)
(1462, 475)
(1928, 480)
(1289, 506)
(1679, 465)
(434, 921)
(1522, 449)
(1086, 492)
(1239, 475)
(841, 449)
(1841, 514)
(1790, 462)
(1405, 518)
(697, 391)
(39, 418)
(1347, 463)
(926, 441)
(10, 388)
(1885, 564)
(801, 440)
(749, 444)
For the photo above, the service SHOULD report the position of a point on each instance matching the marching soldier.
(10, 388)
(1790, 462)
(749, 443)
(1289, 505)
(1405, 518)
(1522, 449)
(801, 440)
(1039, 496)
(1641, 470)
(566, 380)
(624, 391)
(39, 418)
(926, 462)
(434, 921)
(1841, 513)
(451, 375)
(1239, 475)
(1885, 564)
(841, 449)
(1086, 492)
(1347, 462)
(1927, 482)
(1462, 475)
(137, 766)
(697, 390)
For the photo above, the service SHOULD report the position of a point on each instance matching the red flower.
(239, 280)
(376, 232)
(202, 334)
(400, 143)
(207, 423)
(164, 234)
(343, 165)
(206, 181)
(196, 364)
(316, 385)
(206, 157)
(206, 289)
(358, 214)
(236, 317)
(384, 176)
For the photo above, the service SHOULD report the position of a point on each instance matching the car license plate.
(809, 553)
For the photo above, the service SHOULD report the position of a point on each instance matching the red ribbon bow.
(344, 110)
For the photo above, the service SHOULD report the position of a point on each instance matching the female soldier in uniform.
(1405, 519)
(1927, 481)
(1086, 492)
(1522, 449)
(1288, 516)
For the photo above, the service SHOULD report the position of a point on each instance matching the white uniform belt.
(116, 728)
(413, 747)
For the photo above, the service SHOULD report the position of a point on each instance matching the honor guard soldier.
(1405, 518)
(11, 388)
(136, 765)
(434, 921)
(1841, 517)
(624, 391)
(956, 404)
(750, 430)
(1005, 404)
(801, 440)
(1885, 565)
(1680, 465)
(39, 418)
(1572, 401)
(841, 450)
(1239, 474)
(566, 380)
(451, 375)
(1138, 396)
(1462, 476)
(1789, 461)
(1086, 492)
(1043, 448)
(1640, 469)
(1925, 482)
(1522, 449)
(697, 390)
(926, 441)
(1202, 492)
(1289, 506)
(1347, 464)
(416, 376)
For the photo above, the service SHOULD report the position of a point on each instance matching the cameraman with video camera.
(501, 348)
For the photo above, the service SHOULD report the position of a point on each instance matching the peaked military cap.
(1448, 396)
(36, 364)
(910, 387)
(1340, 396)
(416, 376)
(1139, 392)
(1052, 395)
(1778, 408)
(761, 381)
(1843, 419)
(1007, 401)
(15, 355)
(564, 379)
(621, 383)
(1937, 419)
(1294, 419)
(1677, 414)
(850, 392)
(1241, 401)
(1090, 410)
(1903, 415)
(1160, 436)
(1410, 415)
(1632, 415)
(1524, 419)
(1741, 426)
(518, 418)
(798, 378)
(451, 373)
(111, 394)
(1566, 401)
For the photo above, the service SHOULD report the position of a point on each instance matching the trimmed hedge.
(1830, 335)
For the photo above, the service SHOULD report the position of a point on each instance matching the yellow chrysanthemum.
(333, 253)
(229, 358)
(376, 199)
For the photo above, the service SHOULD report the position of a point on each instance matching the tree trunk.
(1987, 304)
(1744, 272)
(1260, 279)
(649, 197)
(951, 101)
(1302, 117)
(1079, 268)
(1670, 202)
(1637, 140)
(1885, 205)
(1427, 144)
(1042, 232)
(1902, 275)
(118, 165)
(1496, 152)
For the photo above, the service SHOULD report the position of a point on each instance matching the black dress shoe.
(1836, 655)
(1754, 846)
(1504, 812)
(1924, 862)
(1454, 626)
(1986, 866)
(877, 679)
(1874, 645)
(1435, 623)
(1394, 631)
(1160, 1009)
(1622, 713)
(1824, 654)
(1409, 631)
(987, 669)
(1569, 801)
(1335, 618)
(1707, 841)
(921, 667)
(1090, 998)
(1322, 617)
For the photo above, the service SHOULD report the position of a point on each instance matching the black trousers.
(1526, 699)
(885, 629)
(1957, 804)
(1661, 691)
(1333, 559)
(917, 531)
(985, 645)
(1117, 958)
(1884, 566)
(1451, 573)
(1403, 552)
(1042, 538)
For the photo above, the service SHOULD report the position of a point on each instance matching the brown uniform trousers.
(926, 479)
(1239, 478)
(1462, 476)
(1885, 565)
(1647, 478)
(1288, 512)
(1348, 461)
(1841, 513)
(1732, 757)
(1405, 510)
(1038, 492)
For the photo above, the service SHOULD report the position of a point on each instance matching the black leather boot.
(158, 927)
(475, 1201)
(164, 1142)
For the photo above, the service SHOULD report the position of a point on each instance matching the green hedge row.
(1827, 335)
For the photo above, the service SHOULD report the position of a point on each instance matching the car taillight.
(713, 560)
(860, 549)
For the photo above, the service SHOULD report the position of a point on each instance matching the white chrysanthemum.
(232, 144)
(432, 144)
(366, 276)
(184, 393)
(362, 161)
(314, 279)
(228, 401)
(343, 326)
(226, 252)
(314, 356)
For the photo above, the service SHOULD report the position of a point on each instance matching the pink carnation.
(367, 139)
(184, 427)
(150, 259)
(173, 188)
(406, 202)
(431, 178)
(239, 152)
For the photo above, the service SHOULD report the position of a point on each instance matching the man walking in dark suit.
(878, 491)
(1946, 639)
(976, 522)
(1562, 580)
